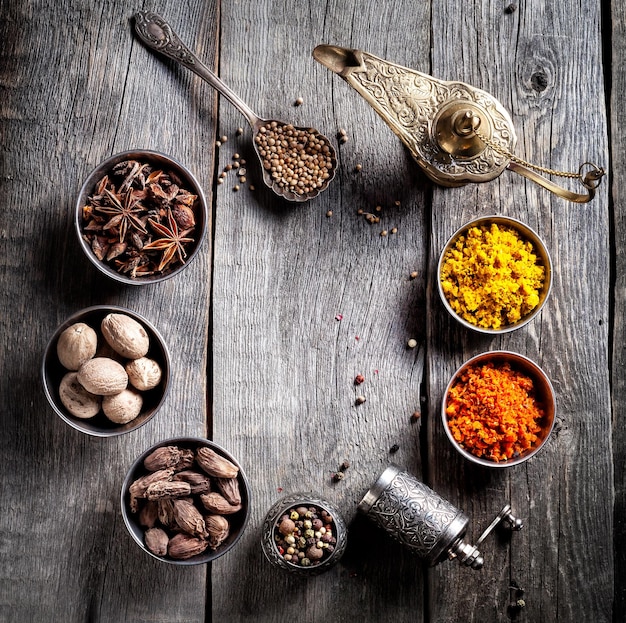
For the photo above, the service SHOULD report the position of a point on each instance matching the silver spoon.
(297, 163)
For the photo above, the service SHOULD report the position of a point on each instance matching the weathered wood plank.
(538, 61)
(618, 195)
(77, 87)
(284, 366)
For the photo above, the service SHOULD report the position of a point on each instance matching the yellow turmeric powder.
(491, 276)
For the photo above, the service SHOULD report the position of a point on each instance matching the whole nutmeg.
(125, 335)
(76, 399)
(122, 407)
(143, 373)
(103, 376)
(76, 345)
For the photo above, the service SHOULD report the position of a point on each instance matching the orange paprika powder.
(493, 413)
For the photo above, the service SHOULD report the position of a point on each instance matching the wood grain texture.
(78, 87)
(283, 364)
(286, 304)
(533, 60)
(618, 196)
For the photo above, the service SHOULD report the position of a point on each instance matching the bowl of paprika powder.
(498, 409)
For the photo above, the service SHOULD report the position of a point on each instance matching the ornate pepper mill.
(420, 519)
(456, 132)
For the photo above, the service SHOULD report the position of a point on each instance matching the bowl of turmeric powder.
(494, 274)
(498, 409)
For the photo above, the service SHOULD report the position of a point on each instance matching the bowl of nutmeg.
(186, 501)
(106, 371)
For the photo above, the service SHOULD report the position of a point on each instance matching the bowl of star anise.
(141, 217)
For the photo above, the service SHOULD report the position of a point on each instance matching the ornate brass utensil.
(456, 132)
(294, 181)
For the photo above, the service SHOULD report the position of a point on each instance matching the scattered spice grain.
(491, 276)
(360, 400)
(493, 413)
(359, 379)
(299, 101)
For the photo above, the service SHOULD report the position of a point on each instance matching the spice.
(413, 275)
(412, 343)
(415, 416)
(360, 400)
(337, 476)
(311, 539)
(394, 448)
(299, 101)
(358, 167)
(493, 413)
(297, 160)
(359, 379)
(491, 276)
(139, 219)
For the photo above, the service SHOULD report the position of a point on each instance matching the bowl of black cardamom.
(186, 501)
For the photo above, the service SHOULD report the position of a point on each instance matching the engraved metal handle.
(157, 34)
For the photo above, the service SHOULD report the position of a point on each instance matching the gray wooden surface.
(261, 362)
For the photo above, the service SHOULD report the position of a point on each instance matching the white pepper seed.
(218, 143)
(394, 230)
(412, 343)
(236, 187)
(358, 167)
(239, 131)
(224, 138)
(242, 179)
(383, 233)
(235, 156)
(299, 101)
(360, 400)
(413, 275)
(329, 213)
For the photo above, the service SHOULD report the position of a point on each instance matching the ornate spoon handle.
(157, 34)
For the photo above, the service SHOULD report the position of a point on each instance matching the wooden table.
(261, 363)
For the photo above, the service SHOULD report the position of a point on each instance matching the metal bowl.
(100, 426)
(540, 249)
(237, 521)
(160, 161)
(543, 392)
(270, 527)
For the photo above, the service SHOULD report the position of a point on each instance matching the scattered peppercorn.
(397, 202)
(415, 416)
(379, 208)
(299, 101)
(383, 233)
(329, 213)
(337, 476)
(394, 448)
(344, 466)
(235, 156)
(236, 187)
(224, 139)
(252, 187)
(412, 343)
(358, 167)
(239, 131)
(394, 230)
(218, 143)
(359, 379)
(511, 8)
(413, 275)
(360, 400)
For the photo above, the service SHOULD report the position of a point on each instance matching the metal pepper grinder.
(420, 519)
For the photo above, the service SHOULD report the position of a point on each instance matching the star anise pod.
(172, 243)
(124, 215)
